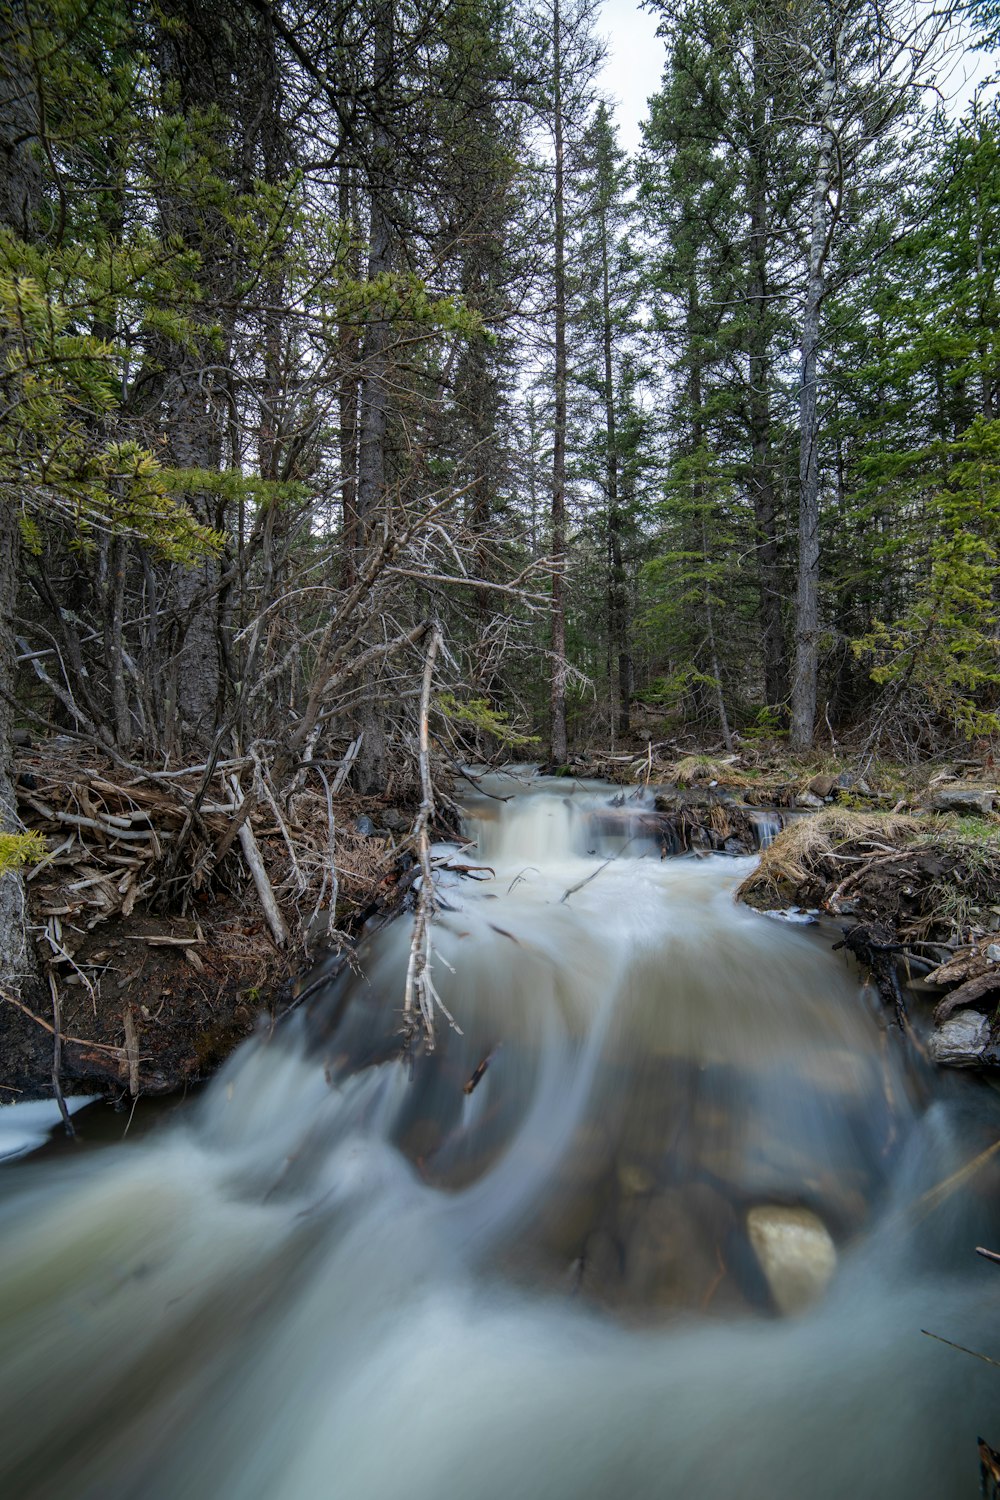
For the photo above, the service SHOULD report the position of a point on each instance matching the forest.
(368, 411)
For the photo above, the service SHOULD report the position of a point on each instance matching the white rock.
(795, 1251)
(961, 1041)
(809, 800)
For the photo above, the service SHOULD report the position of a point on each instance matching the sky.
(635, 66)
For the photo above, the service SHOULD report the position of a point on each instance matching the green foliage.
(671, 691)
(766, 724)
(478, 715)
(20, 849)
(930, 467)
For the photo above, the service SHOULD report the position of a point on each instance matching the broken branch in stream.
(594, 873)
(420, 995)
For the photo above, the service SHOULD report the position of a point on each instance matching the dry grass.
(796, 854)
(701, 770)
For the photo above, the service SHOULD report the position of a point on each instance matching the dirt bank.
(171, 915)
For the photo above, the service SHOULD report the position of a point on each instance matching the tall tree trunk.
(617, 603)
(804, 682)
(20, 201)
(373, 416)
(348, 393)
(696, 397)
(558, 746)
(762, 489)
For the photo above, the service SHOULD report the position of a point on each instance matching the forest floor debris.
(156, 950)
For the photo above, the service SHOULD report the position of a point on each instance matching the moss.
(20, 849)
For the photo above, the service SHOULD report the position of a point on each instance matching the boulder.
(822, 786)
(795, 1252)
(961, 1041)
(809, 800)
(963, 799)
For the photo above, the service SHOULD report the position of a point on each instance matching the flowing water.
(665, 1220)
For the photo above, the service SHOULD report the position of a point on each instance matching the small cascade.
(665, 1217)
(767, 824)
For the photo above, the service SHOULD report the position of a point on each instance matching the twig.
(57, 1057)
(594, 873)
(75, 1041)
(255, 864)
(961, 1348)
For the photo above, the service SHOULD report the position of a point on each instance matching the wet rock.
(634, 1179)
(822, 786)
(801, 916)
(809, 800)
(961, 1041)
(963, 799)
(795, 1252)
(671, 1245)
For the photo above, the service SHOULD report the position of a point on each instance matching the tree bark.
(20, 201)
(617, 601)
(762, 490)
(804, 681)
(558, 748)
(373, 415)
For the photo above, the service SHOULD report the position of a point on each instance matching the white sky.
(635, 67)
(635, 64)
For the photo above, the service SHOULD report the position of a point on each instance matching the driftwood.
(420, 996)
(967, 994)
(265, 891)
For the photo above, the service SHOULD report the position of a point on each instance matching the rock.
(969, 996)
(963, 799)
(809, 799)
(961, 1041)
(395, 821)
(795, 1252)
(822, 786)
(848, 782)
(993, 953)
(671, 1246)
(365, 826)
(634, 1180)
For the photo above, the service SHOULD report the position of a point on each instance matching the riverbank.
(173, 912)
(917, 893)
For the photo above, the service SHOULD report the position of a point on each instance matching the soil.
(150, 996)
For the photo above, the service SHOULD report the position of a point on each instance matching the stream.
(666, 1218)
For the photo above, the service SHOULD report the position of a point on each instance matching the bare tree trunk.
(762, 490)
(617, 603)
(558, 745)
(20, 199)
(348, 402)
(804, 682)
(373, 415)
(112, 582)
